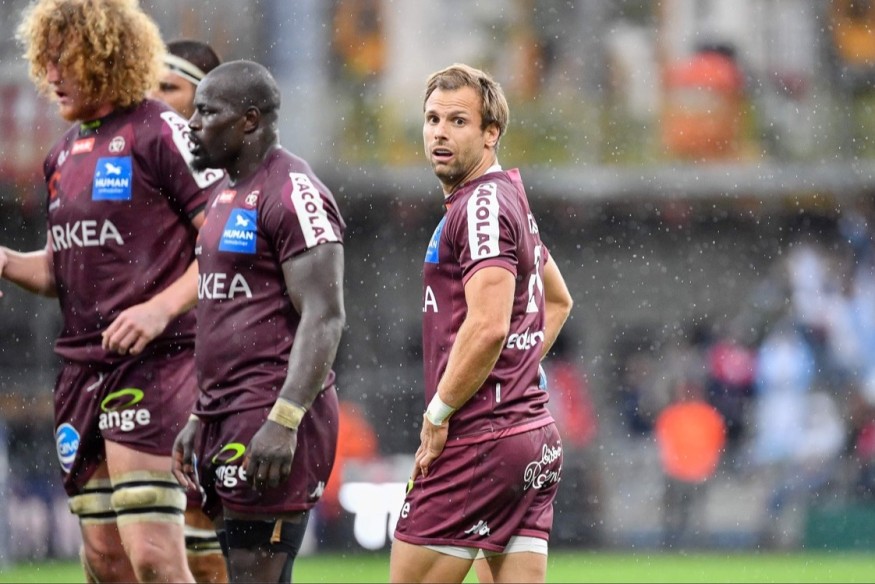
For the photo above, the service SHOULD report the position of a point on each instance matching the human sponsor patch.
(67, 444)
(113, 176)
(239, 234)
(483, 232)
(432, 255)
(311, 212)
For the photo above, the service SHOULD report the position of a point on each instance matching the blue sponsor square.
(239, 234)
(113, 178)
(431, 254)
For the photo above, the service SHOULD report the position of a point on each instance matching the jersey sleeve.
(184, 187)
(482, 233)
(303, 216)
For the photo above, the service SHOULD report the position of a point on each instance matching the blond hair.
(111, 48)
(493, 104)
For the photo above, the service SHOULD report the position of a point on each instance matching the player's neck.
(249, 162)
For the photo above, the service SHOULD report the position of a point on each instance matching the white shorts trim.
(517, 544)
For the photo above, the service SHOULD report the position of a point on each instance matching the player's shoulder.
(155, 120)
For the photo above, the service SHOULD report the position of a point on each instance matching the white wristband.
(438, 412)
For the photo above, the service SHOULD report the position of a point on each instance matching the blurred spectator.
(809, 469)
(578, 502)
(703, 111)
(730, 383)
(635, 399)
(785, 370)
(690, 435)
(356, 441)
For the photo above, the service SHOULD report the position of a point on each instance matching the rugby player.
(488, 464)
(123, 209)
(185, 64)
(262, 440)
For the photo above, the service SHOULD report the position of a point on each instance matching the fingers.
(183, 470)
(120, 336)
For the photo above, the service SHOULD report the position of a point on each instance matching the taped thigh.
(93, 505)
(148, 496)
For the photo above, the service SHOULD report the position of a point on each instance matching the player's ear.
(492, 135)
(251, 119)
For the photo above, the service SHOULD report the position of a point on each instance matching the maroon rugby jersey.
(488, 223)
(246, 322)
(121, 197)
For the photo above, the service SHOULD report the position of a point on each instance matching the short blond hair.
(493, 103)
(111, 47)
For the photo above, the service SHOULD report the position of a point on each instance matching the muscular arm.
(557, 304)
(136, 326)
(31, 270)
(315, 286)
(489, 295)
(314, 281)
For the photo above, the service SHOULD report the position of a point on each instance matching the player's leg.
(205, 559)
(263, 550)
(414, 563)
(483, 571)
(518, 567)
(103, 556)
(149, 504)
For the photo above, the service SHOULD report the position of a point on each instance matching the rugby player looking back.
(487, 467)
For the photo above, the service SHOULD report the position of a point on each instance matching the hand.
(135, 327)
(183, 467)
(268, 460)
(432, 441)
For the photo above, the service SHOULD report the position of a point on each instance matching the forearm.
(181, 295)
(554, 320)
(557, 304)
(472, 358)
(31, 271)
(311, 358)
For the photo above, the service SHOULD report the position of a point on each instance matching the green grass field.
(566, 566)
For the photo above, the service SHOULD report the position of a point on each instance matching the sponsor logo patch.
(432, 255)
(311, 211)
(82, 146)
(116, 145)
(113, 176)
(483, 222)
(67, 443)
(239, 235)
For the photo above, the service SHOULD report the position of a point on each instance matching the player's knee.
(104, 564)
(142, 497)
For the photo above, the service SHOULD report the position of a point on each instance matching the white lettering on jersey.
(215, 286)
(483, 222)
(538, 473)
(180, 133)
(430, 300)
(311, 211)
(84, 234)
(525, 340)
